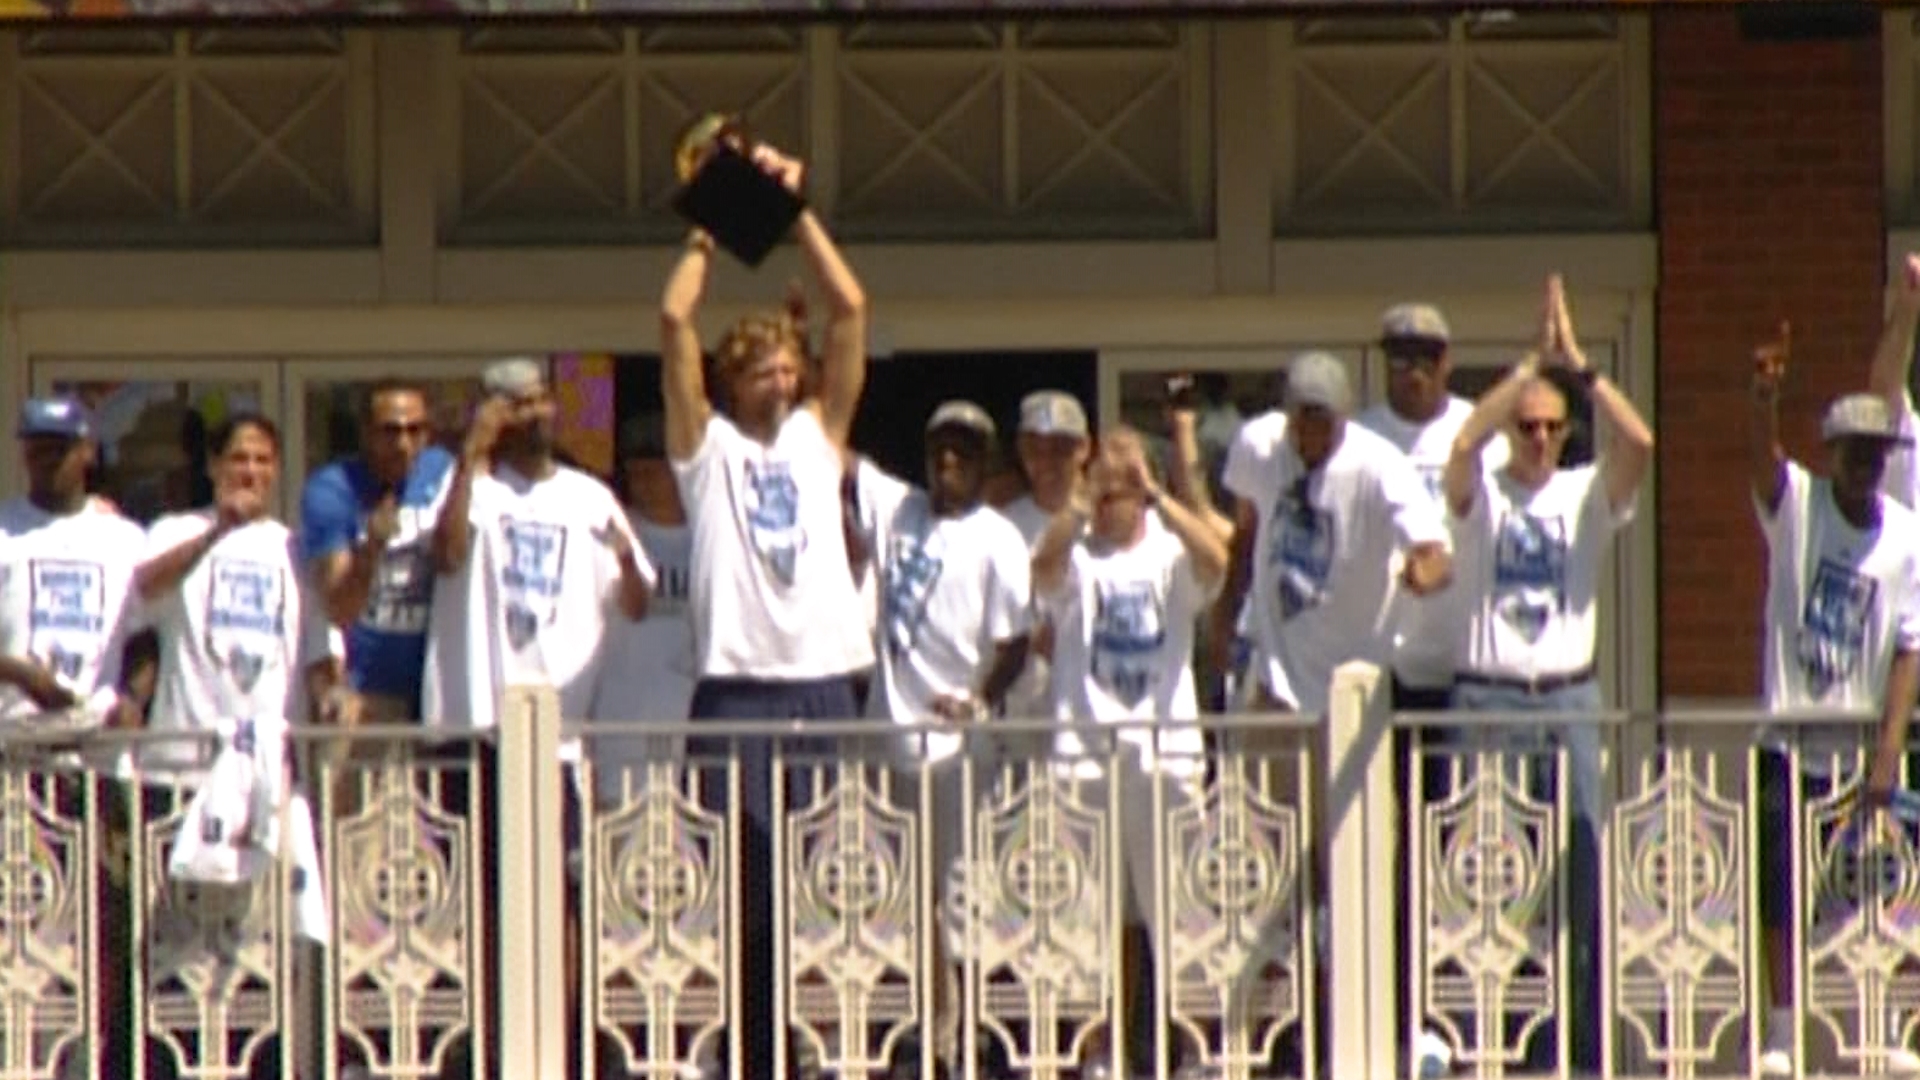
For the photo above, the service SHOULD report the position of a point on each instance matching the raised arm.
(1053, 552)
(1627, 450)
(453, 530)
(843, 352)
(683, 383)
(1187, 478)
(1204, 544)
(1462, 478)
(1766, 461)
(1893, 356)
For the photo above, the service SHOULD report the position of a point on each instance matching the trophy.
(746, 209)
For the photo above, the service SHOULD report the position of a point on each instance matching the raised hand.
(238, 506)
(1566, 343)
(384, 523)
(1770, 360)
(489, 420)
(788, 170)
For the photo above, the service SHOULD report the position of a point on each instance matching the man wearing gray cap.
(1529, 541)
(1334, 509)
(66, 570)
(1842, 634)
(1421, 416)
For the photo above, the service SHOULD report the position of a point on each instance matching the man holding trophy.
(778, 631)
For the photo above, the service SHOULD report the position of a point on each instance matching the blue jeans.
(1580, 868)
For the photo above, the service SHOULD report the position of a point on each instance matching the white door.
(154, 414)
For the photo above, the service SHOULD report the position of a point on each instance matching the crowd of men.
(754, 565)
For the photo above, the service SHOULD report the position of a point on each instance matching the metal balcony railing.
(1246, 897)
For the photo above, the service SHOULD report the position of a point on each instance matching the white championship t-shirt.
(951, 588)
(1324, 556)
(230, 636)
(1428, 630)
(772, 596)
(1840, 602)
(1250, 456)
(1123, 638)
(535, 602)
(1527, 564)
(66, 584)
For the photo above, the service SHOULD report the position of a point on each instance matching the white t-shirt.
(1123, 638)
(1249, 457)
(1032, 695)
(1901, 481)
(230, 636)
(648, 673)
(951, 589)
(1840, 602)
(771, 594)
(1527, 564)
(66, 583)
(1028, 519)
(534, 603)
(1323, 564)
(1428, 630)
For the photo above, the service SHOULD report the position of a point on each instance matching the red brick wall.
(1768, 181)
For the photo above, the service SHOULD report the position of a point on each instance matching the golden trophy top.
(696, 143)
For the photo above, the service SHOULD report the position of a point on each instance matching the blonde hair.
(1124, 440)
(756, 336)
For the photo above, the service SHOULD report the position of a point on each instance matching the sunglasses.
(1408, 357)
(402, 431)
(1541, 427)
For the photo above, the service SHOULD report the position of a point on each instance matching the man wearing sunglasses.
(364, 527)
(1530, 539)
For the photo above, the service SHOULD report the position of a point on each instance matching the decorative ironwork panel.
(855, 915)
(48, 930)
(1487, 959)
(1680, 926)
(1049, 129)
(405, 957)
(1474, 121)
(570, 136)
(1235, 958)
(1035, 915)
(214, 956)
(662, 924)
(191, 137)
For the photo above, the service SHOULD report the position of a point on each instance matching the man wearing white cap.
(1334, 509)
(1053, 444)
(1529, 542)
(1842, 633)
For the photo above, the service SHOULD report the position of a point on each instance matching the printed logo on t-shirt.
(66, 613)
(402, 592)
(1529, 572)
(246, 612)
(530, 581)
(911, 573)
(1129, 630)
(773, 517)
(670, 594)
(1433, 476)
(1301, 554)
(1840, 606)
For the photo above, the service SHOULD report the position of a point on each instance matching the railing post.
(531, 900)
(1363, 960)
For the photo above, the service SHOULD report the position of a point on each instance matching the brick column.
(1768, 185)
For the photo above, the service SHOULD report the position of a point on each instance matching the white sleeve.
(1009, 585)
(1792, 508)
(1240, 475)
(1414, 512)
(1901, 481)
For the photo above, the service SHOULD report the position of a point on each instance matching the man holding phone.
(365, 522)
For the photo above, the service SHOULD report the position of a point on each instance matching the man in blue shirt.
(365, 524)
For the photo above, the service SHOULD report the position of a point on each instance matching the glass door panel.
(154, 417)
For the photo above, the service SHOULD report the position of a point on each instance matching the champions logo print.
(1301, 552)
(773, 517)
(1129, 629)
(66, 613)
(535, 564)
(1833, 626)
(1529, 572)
(912, 571)
(246, 618)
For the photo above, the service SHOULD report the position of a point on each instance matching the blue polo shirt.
(386, 646)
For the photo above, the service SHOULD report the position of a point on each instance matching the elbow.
(851, 302)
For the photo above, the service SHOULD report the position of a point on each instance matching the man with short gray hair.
(1333, 509)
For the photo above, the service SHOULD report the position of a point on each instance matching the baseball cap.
(1862, 416)
(1414, 322)
(513, 377)
(962, 414)
(1317, 380)
(62, 417)
(642, 436)
(1052, 412)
